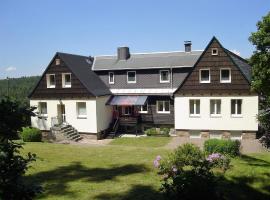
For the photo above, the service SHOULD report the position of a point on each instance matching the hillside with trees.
(18, 88)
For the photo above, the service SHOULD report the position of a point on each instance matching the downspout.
(171, 95)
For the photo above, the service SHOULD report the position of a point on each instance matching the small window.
(164, 76)
(66, 80)
(126, 110)
(143, 109)
(163, 106)
(225, 75)
(205, 76)
(50, 80)
(215, 107)
(111, 78)
(81, 110)
(214, 51)
(42, 107)
(131, 77)
(57, 61)
(194, 107)
(236, 107)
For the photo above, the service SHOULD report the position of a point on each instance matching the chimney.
(123, 53)
(187, 46)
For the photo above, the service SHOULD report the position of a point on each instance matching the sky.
(32, 31)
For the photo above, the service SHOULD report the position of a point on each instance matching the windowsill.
(225, 81)
(131, 82)
(51, 86)
(215, 116)
(205, 81)
(164, 81)
(44, 116)
(236, 116)
(163, 112)
(143, 112)
(111, 83)
(67, 86)
(195, 115)
(82, 117)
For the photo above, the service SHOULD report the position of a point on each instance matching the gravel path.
(247, 146)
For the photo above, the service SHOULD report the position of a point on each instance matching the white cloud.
(9, 69)
(236, 52)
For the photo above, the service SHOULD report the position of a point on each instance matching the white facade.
(98, 115)
(204, 121)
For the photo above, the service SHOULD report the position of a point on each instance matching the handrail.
(115, 124)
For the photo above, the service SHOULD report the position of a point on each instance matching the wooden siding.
(77, 90)
(193, 86)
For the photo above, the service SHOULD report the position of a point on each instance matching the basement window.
(66, 80)
(81, 110)
(214, 51)
(50, 80)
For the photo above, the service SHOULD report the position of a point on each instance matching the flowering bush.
(187, 170)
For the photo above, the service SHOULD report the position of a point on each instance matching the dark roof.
(147, 61)
(81, 68)
(242, 64)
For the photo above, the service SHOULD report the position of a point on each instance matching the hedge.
(29, 134)
(228, 147)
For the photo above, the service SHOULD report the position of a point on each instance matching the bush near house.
(30, 134)
(154, 132)
(227, 147)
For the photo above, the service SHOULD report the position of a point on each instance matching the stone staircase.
(65, 132)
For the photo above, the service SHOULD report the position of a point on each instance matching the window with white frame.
(111, 78)
(126, 110)
(214, 51)
(66, 80)
(164, 76)
(131, 77)
(225, 75)
(57, 61)
(143, 109)
(236, 107)
(194, 107)
(42, 108)
(215, 107)
(205, 76)
(163, 106)
(50, 80)
(81, 110)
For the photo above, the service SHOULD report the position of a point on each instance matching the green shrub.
(30, 134)
(165, 131)
(151, 131)
(154, 132)
(227, 147)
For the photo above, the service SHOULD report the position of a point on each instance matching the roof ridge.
(71, 54)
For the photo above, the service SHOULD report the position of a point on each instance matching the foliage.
(227, 147)
(260, 62)
(265, 140)
(154, 132)
(165, 131)
(151, 131)
(31, 134)
(12, 165)
(187, 174)
(18, 88)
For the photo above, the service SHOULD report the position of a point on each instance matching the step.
(69, 132)
(71, 135)
(66, 127)
(74, 137)
(77, 139)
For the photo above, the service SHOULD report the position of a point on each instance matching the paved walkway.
(247, 146)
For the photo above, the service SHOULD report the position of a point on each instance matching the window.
(111, 78)
(163, 106)
(164, 76)
(57, 61)
(42, 107)
(236, 107)
(225, 75)
(194, 107)
(205, 76)
(215, 107)
(66, 80)
(144, 108)
(131, 77)
(81, 110)
(214, 51)
(126, 110)
(50, 80)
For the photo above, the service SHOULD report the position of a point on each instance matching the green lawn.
(126, 172)
(142, 141)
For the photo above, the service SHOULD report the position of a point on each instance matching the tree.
(12, 165)
(260, 62)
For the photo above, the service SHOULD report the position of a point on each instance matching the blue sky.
(32, 31)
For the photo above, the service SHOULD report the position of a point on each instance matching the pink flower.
(156, 163)
(174, 169)
(158, 158)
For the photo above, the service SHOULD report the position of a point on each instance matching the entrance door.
(61, 112)
(126, 110)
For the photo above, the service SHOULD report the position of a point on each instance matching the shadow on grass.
(252, 161)
(56, 181)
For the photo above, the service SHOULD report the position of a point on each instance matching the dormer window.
(164, 76)
(205, 76)
(225, 75)
(214, 51)
(111, 78)
(50, 80)
(66, 80)
(131, 77)
(57, 61)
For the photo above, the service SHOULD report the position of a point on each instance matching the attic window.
(57, 61)
(205, 76)
(50, 80)
(66, 80)
(214, 51)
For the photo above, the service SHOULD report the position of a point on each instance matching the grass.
(126, 172)
(142, 141)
